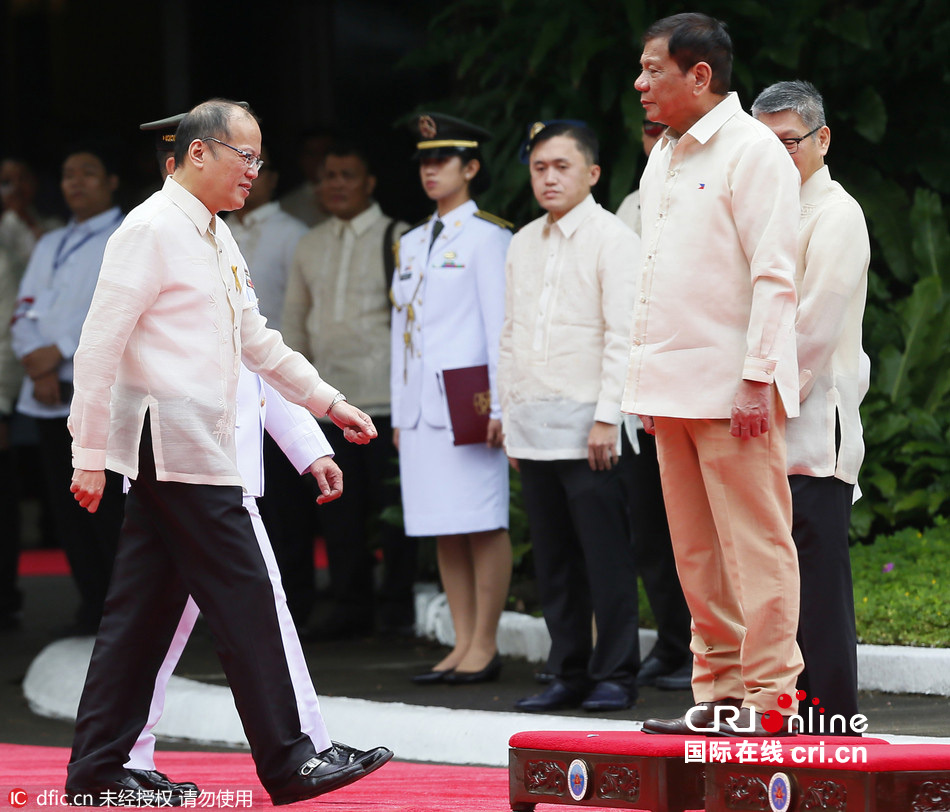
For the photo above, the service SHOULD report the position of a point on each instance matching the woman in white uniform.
(448, 298)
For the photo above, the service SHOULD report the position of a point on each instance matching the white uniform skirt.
(449, 489)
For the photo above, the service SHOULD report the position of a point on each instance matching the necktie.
(437, 227)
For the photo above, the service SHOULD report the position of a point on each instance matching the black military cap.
(165, 128)
(444, 135)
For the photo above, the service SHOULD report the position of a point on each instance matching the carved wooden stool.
(837, 774)
(612, 770)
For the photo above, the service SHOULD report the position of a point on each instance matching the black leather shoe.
(610, 696)
(489, 673)
(369, 760)
(332, 769)
(153, 779)
(124, 791)
(653, 667)
(431, 677)
(702, 720)
(679, 680)
(558, 695)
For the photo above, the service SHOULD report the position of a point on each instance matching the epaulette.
(492, 218)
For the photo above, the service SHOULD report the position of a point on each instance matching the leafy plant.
(906, 475)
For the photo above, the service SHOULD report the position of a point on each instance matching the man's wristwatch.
(337, 398)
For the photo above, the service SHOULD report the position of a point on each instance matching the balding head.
(216, 150)
(211, 118)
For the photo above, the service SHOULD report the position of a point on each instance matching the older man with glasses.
(825, 444)
(156, 374)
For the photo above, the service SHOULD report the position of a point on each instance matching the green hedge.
(902, 587)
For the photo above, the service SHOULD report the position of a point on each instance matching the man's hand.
(46, 389)
(41, 361)
(396, 439)
(496, 437)
(87, 487)
(602, 446)
(649, 424)
(357, 427)
(329, 479)
(750, 410)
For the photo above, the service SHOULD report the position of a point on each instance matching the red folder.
(469, 396)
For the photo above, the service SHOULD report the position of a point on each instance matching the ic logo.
(18, 798)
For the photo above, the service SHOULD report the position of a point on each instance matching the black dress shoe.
(653, 667)
(332, 769)
(558, 695)
(153, 779)
(610, 696)
(431, 677)
(489, 673)
(702, 720)
(680, 680)
(369, 760)
(124, 791)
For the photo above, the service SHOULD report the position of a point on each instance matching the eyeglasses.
(791, 144)
(250, 161)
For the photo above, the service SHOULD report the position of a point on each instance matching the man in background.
(337, 310)
(825, 444)
(52, 302)
(560, 378)
(303, 202)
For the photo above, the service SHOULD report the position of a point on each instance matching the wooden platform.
(624, 771)
(895, 778)
(691, 773)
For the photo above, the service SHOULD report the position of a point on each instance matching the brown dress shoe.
(750, 725)
(699, 719)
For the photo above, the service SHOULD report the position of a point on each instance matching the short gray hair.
(210, 118)
(798, 96)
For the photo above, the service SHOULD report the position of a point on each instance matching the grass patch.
(902, 588)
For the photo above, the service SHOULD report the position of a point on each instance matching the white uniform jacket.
(449, 307)
(293, 428)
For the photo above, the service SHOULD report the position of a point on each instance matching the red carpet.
(228, 781)
(43, 562)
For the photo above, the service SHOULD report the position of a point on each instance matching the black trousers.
(88, 539)
(179, 539)
(352, 526)
(290, 515)
(654, 550)
(11, 599)
(584, 562)
(821, 514)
